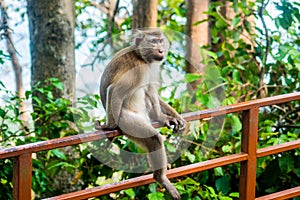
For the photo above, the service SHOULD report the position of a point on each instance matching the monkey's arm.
(175, 119)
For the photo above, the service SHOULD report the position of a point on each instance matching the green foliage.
(53, 118)
(247, 68)
(3, 57)
(6, 176)
(171, 15)
(12, 129)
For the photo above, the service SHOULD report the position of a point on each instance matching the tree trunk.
(144, 14)
(197, 36)
(51, 26)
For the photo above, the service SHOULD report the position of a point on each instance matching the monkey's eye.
(155, 41)
(161, 40)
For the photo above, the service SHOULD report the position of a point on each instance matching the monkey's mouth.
(158, 57)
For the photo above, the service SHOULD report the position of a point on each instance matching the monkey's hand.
(178, 123)
(98, 126)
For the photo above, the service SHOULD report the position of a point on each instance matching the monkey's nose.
(160, 51)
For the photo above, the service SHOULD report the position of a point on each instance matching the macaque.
(129, 92)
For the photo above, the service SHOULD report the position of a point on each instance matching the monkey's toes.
(175, 195)
(97, 125)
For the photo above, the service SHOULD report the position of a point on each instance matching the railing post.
(22, 177)
(249, 146)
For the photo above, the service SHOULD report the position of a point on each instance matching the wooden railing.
(22, 155)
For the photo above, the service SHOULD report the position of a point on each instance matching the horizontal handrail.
(97, 135)
(57, 143)
(279, 148)
(285, 194)
(147, 179)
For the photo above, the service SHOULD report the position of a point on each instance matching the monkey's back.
(118, 68)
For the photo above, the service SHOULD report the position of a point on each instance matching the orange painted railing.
(22, 178)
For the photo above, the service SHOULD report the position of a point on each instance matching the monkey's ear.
(138, 37)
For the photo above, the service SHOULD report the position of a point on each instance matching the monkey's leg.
(136, 125)
(140, 130)
(159, 161)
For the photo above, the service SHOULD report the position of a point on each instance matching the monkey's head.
(151, 45)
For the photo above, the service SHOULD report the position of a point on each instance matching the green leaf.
(234, 194)
(221, 23)
(60, 164)
(286, 163)
(56, 83)
(237, 125)
(248, 26)
(190, 156)
(236, 35)
(218, 171)
(236, 20)
(236, 75)
(27, 94)
(152, 187)
(211, 190)
(192, 77)
(1, 83)
(267, 135)
(3, 181)
(223, 184)
(227, 148)
(58, 154)
(199, 22)
(241, 67)
(37, 100)
(210, 53)
(170, 147)
(235, 6)
(130, 192)
(189, 181)
(155, 196)
(225, 198)
(2, 112)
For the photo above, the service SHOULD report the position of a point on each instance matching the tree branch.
(14, 59)
(264, 92)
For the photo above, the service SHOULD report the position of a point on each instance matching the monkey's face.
(153, 47)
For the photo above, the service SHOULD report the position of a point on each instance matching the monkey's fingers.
(182, 124)
(179, 125)
(167, 123)
(175, 124)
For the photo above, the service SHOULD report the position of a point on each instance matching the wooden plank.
(88, 137)
(22, 177)
(147, 179)
(249, 146)
(56, 143)
(287, 146)
(241, 106)
(285, 194)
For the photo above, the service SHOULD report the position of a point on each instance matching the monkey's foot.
(175, 194)
(98, 126)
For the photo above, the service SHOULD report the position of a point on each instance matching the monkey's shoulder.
(127, 57)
